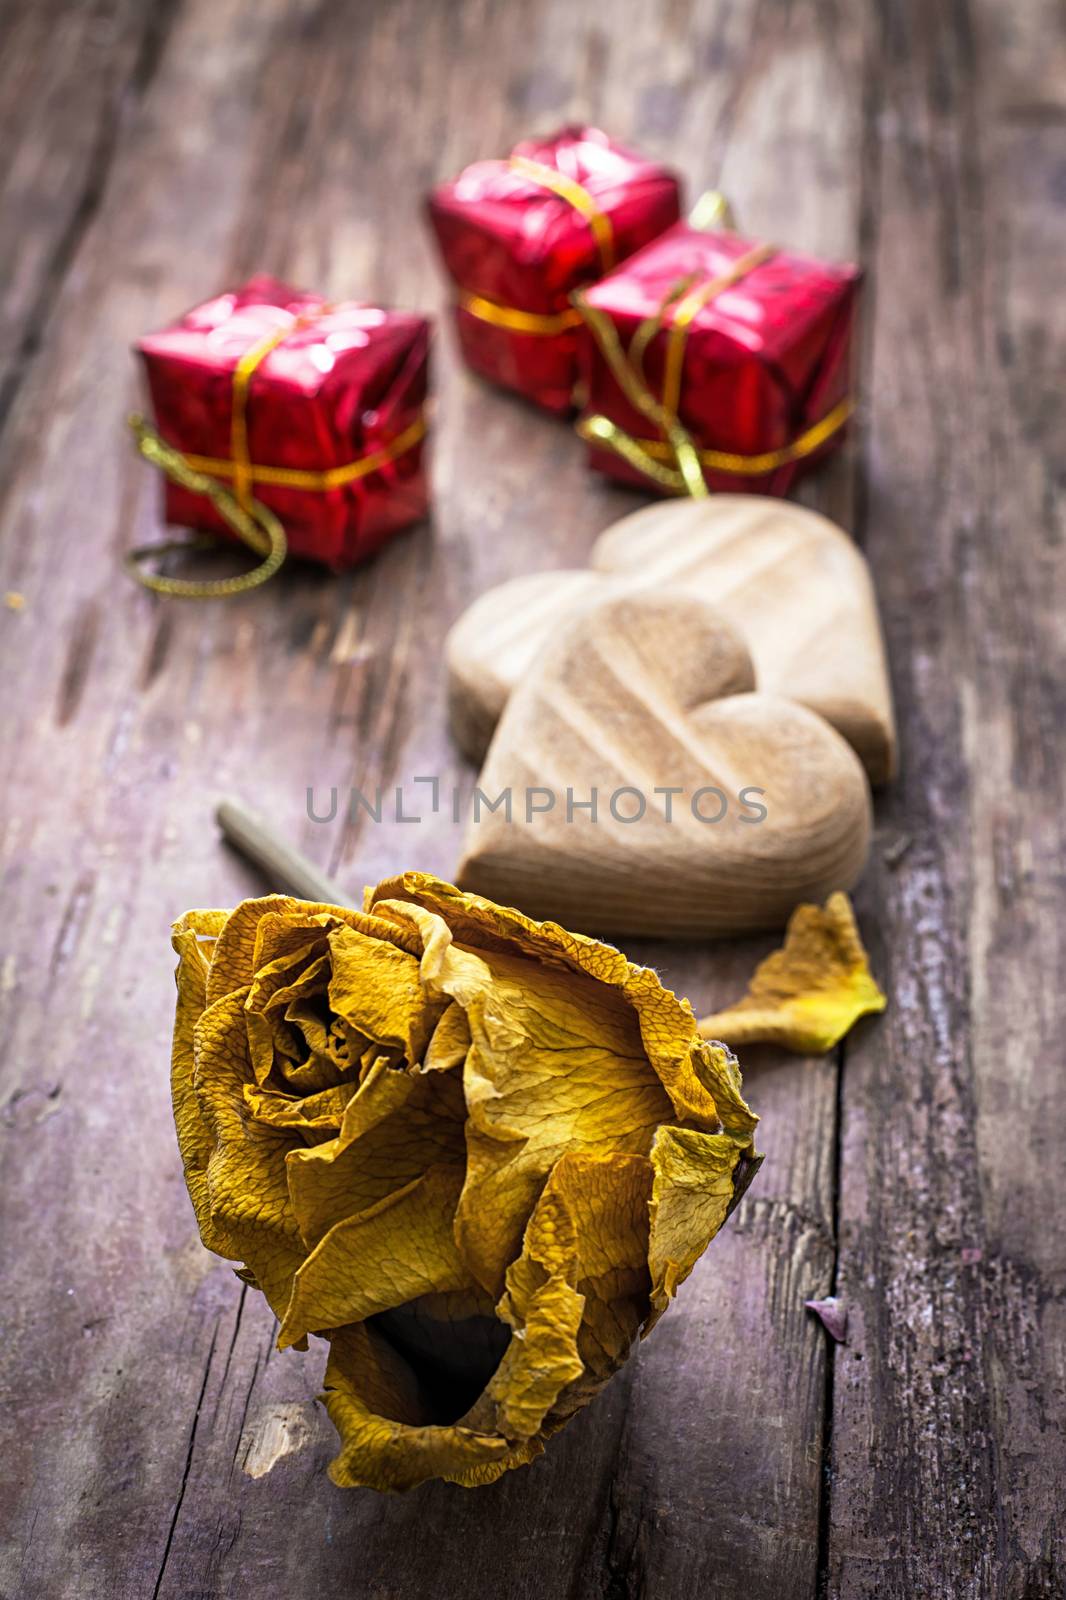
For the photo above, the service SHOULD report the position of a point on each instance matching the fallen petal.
(833, 1315)
(807, 995)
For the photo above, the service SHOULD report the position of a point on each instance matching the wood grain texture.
(71, 79)
(142, 1401)
(948, 1437)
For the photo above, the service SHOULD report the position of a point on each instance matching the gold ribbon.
(576, 195)
(689, 308)
(253, 522)
(242, 378)
(544, 323)
(674, 461)
(314, 480)
(547, 324)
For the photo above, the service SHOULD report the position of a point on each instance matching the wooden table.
(156, 1444)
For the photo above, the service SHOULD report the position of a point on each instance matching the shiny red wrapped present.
(518, 236)
(314, 410)
(713, 362)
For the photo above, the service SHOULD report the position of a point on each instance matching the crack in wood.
(233, 1339)
(825, 1499)
(179, 1500)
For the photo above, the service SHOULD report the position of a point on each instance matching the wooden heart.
(640, 694)
(792, 583)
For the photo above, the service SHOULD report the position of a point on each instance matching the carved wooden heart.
(646, 692)
(791, 582)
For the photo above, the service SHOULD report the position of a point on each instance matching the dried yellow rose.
(477, 1153)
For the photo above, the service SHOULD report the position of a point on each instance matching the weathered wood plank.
(152, 1371)
(152, 1388)
(70, 79)
(948, 1443)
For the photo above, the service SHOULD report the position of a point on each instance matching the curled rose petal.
(476, 1153)
(807, 995)
(833, 1315)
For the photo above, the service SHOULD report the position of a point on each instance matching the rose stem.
(285, 869)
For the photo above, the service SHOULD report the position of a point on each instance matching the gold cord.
(255, 524)
(651, 456)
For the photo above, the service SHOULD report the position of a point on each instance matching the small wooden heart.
(717, 809)
(792, 583)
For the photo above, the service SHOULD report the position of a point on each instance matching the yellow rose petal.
(376, 987)
(583, 1022)
(807, 995)
(577, 1295)
(245, 1193)
(236, 1183)
(384, 1257)
(693, 1191)
(307, 1114)
(555, 1065)
(395, 1127)
(373, 1402)
(193, 939)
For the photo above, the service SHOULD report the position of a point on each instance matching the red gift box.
(315, 410)
(715, 361)
(518, 236)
